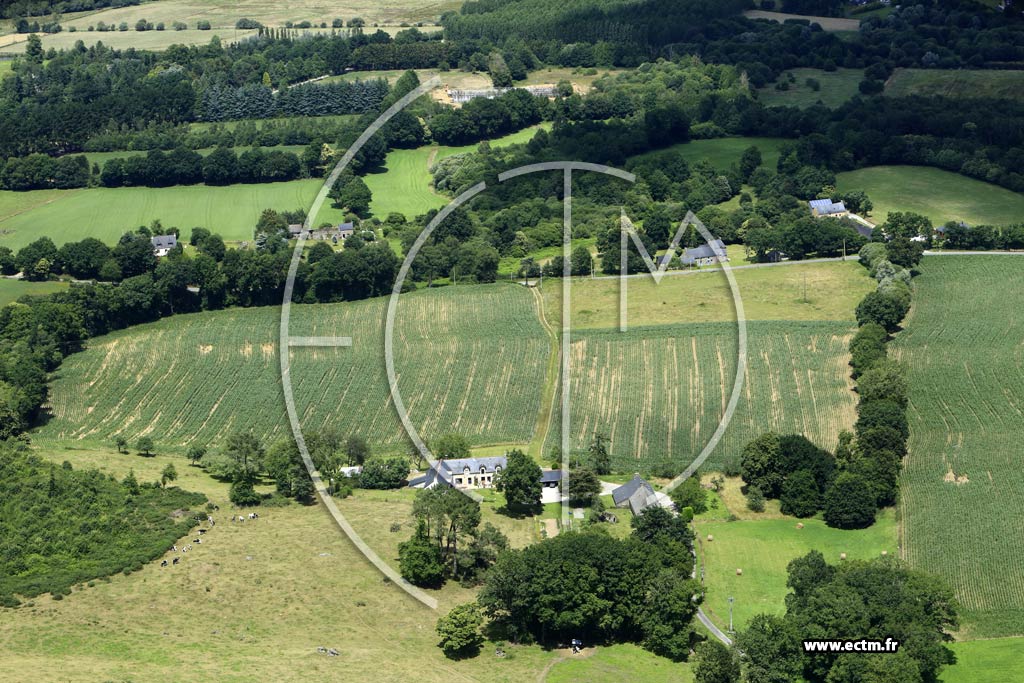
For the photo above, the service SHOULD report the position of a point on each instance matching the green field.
(763, 549)
(966, 399)
(122, 40)
(723, 152)
(405, 184)
(470, 359)
(938, 194)
(617, 664)
(981, 661)
(956, 83)
(12, 290)
(659, 393)
(836, 88)
(492, 377)
(107, 213)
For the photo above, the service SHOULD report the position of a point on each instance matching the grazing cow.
(195, 540)
(202, 531)
(241, 518)
(164, 563)
(174, 548)
(175, 561)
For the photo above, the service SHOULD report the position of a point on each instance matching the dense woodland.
(61, 527)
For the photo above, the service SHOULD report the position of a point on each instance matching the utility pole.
(844, 248)
(805, 288)
(731, 600)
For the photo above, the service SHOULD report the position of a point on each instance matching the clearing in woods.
(834, 88)
(11, 290)
(966, 417)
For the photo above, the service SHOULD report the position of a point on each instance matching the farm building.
(826, 208)
(463, 96)
(340, 232)
(705, 254)
(474, 473)
(463, 473)
(295, 229)
(162, 244)
(638, 495)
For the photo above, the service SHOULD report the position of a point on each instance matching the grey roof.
(623, 493)
(642, 499)
(826, 207)
(295, 228)
(550, 476)
(717, 247)
(346, 227)
(459, 465)
(164, 241)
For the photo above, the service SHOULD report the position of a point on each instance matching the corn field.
(469, 359)
(962, 484)
(659, 393)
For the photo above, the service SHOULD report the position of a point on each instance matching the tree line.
(862, 475)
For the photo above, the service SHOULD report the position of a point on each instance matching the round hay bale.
(710, 538)
(739, 572)
(884, 553)
(799, 525)
(842, 556)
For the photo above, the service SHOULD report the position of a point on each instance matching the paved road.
(709, 625)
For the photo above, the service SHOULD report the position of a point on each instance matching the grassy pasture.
(405, 183)
(769, 293)
(836, 88)
(469, 359)
(616, 664)
(12, 290)
(254, 597)
(107, 213)
(964, 358)
(224, 13)
(122, 40)
(979, 661)
(723, 152)
(763, 549)
(956, 83)
(940, 195)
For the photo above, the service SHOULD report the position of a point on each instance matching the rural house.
(462, 473)
(638, 495)
(162, 244)
(474, 473)
(705, 254)
(826, 208)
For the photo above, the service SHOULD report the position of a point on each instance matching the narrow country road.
(709, 625)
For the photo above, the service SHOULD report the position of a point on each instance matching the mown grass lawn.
(940, 195)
